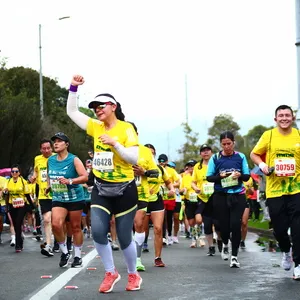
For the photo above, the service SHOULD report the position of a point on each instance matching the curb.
(262, 232)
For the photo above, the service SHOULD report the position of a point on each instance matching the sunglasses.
(101, 106)
(14, 171)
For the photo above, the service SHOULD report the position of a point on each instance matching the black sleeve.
(214, 178)
(91, 178)
(28, 197)
(244, 177)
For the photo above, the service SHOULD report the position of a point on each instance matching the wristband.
(262, 165)
(73, 88)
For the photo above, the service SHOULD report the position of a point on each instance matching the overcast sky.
(239, 57)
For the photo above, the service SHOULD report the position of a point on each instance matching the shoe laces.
(131, 278)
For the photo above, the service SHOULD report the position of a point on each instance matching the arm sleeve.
(129, 154)
(211, 170)
(75, 115)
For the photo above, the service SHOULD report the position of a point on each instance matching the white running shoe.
(175, 240)
(225, 253)
(13, 241)
(165, 242)
(286, 262)
(234, 263)
(296, 275)
(170, 240)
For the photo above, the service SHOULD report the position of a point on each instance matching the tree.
(221, 123)
(22, 128)
(190, 149)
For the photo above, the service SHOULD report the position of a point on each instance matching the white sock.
(105, 252)
(63, 247)
(77, 250)
(130, 257)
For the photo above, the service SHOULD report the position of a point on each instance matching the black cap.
(61, 136)
(163, 158)
(191, 163)
(205, 146)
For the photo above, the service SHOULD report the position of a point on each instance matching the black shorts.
(205, 208)
(116, 205)
(247, 203)
(46, 205)
(177, 208)
(87, 207)
(142, 205)
(69, 206)
(155, 206)
(28, 208)
(190, 209)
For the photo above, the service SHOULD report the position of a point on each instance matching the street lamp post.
(41, 73)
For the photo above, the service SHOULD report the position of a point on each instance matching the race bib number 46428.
(103, 161)
(285, 167)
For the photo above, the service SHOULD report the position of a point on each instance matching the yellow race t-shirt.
(40, 166)
(2, 185)
(186, 183)
(17, 190)
(282, 153)
(155, 183)
(199, 176)
(147, 162)
(107, 163)
(173, 176)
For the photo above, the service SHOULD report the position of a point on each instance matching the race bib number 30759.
(285, 167)
(103, 161)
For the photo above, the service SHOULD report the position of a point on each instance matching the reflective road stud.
(71, 287)
(46, 276)
(91, 269)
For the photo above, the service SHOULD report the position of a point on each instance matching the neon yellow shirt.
(155, 184)
(283, 153)
(107, 163)
(40, 166)
(147, 162)
(199, 176)
(2, 185)
(186, 183)
(18, 189)
(173, 177)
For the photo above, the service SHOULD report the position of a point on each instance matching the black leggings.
(168, 222)
(228, 210)
(17, 215)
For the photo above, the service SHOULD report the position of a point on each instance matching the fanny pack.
(111, 189)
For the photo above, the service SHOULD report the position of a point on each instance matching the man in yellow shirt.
(2, 204)
(45, 201)
(169, 199)
(277, 153)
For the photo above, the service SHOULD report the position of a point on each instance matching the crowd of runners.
(123, 187)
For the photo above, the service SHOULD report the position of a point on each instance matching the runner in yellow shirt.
(114, 192)
(169, 199)
(45, 201)
(2, 204)
(277, 153)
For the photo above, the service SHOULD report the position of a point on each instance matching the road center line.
(58, 283)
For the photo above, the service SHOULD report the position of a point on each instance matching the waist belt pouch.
(111, 189)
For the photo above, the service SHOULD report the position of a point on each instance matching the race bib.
(229, 181)
(58, 187)
(208, 188)
(285, 167)
(138, 180)
(18, 202)
(103, 161)
(44, 175)
(193, 197)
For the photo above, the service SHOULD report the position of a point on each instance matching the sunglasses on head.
(15, 171)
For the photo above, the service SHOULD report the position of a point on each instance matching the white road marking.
(58, 283)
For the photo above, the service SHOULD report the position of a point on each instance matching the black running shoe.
(55, 247)
(64, 260)
(70, 246)
(211, 251)
(77, 262)
(242, 245)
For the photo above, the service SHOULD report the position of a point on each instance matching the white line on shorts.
(58, 283)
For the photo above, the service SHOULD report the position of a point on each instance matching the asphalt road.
(189, 274)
